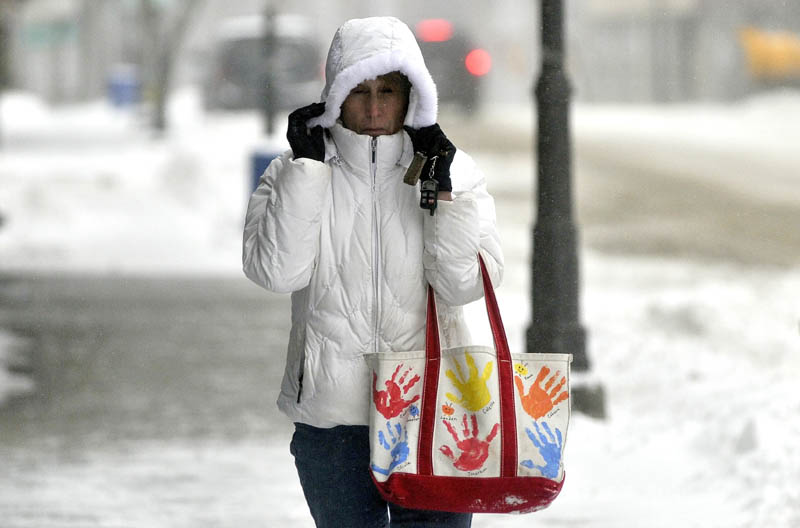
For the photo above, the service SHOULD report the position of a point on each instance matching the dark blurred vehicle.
(238, 72)
(456, 64)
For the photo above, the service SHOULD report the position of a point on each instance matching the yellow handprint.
(474, 391)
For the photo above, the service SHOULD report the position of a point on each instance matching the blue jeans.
(333, 465)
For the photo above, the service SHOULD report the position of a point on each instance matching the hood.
(365, 48)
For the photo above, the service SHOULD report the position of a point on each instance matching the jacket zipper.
(375, 260)
(376, 257)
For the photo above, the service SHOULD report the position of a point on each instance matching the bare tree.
(5, 45)
(4, 66)
(8, 9)
(163, 31)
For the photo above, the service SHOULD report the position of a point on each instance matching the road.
(634, 196)
(153, 396)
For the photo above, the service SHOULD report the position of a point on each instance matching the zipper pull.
(374, 149)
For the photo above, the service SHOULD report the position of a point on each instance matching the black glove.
(432, 142)
(306, 143)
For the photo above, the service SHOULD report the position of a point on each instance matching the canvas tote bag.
(469, 429)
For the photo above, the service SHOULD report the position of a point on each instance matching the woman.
(333, 223)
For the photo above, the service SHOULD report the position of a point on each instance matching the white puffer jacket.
(348, 239)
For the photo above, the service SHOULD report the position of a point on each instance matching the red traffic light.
(478, 62)
(434, 30)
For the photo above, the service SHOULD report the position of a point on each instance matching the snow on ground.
(699, 361)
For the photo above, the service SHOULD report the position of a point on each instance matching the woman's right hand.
(305, 142)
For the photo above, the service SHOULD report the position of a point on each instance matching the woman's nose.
(374, 105)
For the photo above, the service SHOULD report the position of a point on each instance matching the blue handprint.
(549, 446)
(399, 449)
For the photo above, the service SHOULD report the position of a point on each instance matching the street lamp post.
(268, 99)
(555, 325)
(264, 154)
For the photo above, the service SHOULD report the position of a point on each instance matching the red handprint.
(474, 452)
(390, 402)
(538, 402)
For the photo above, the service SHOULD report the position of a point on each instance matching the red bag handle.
(508, 422)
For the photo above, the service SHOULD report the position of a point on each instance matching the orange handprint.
(538, 402)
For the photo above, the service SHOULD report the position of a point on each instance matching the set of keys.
(429, 188)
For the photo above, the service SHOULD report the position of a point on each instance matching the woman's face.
(376, 107)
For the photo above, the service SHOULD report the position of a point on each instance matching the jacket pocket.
(300, 382)
(294, 377)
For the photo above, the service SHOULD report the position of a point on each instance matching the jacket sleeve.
(457, 232)
(282, 225)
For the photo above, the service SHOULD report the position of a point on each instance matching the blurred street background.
(139, 368)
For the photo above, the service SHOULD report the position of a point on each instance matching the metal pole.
(268, 100)
(554, 286)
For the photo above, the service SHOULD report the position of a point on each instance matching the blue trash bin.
(124, 86)
(259, 163)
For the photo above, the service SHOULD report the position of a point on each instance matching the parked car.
(456, 64)
(238, 72)
(237, 76)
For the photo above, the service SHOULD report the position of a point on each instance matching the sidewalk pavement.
(154, 406)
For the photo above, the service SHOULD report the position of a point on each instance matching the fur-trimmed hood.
(365, 48)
